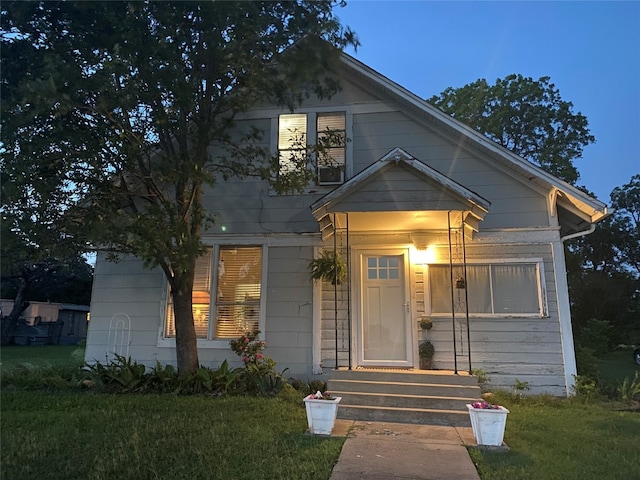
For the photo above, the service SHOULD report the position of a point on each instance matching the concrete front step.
(404, 401)
(436, 398)
(405, 388)
(404, 376)
(420, 416)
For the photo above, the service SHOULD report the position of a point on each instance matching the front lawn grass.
(51, 429)
(54, 435)
(41, 356)
(618, 365)
(564, 439)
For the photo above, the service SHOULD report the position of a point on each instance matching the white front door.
(384, 337)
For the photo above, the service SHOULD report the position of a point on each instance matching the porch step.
(404, 396)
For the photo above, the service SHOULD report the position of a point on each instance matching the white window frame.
(541, 288)
(211, 341)
(344, 165)
(312, 122)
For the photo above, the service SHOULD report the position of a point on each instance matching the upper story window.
(331, 133)
(327, 130)
(292, 142)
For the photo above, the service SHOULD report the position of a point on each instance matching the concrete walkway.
(378, 451)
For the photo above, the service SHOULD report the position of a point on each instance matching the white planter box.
(488, 424)
(321, 414)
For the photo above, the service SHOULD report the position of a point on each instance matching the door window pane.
(383, 268)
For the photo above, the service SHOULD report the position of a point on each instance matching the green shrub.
(598, 336)
(262, 379)
(586, 388)
(587, 362)
(30, 377)
(629, 390)
(519, 387)
(119, 375)
(163, 379)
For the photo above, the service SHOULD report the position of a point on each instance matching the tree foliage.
(625, 201)
(603, 267)
(131, 106)
(524, 115)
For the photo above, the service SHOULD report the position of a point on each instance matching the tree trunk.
(186, 341)
(8, 324)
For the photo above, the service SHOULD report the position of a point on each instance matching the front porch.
(387, 224)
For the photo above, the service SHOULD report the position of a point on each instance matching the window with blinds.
(331, 134)
(238, 289)
(500, 289)
(292, 142)
(201, 299)
(237, 302)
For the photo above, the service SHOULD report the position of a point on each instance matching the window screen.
(492, 289)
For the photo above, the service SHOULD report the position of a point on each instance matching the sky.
(590, 51)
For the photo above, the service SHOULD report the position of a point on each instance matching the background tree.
(603, 269)
(524, 115)
(39, 272)
(132, 105)
(40, 259)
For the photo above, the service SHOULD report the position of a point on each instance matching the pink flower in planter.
(485, 406)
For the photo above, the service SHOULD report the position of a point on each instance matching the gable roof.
(581, 208)
(374, 191)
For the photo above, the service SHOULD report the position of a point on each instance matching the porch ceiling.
(395, 221)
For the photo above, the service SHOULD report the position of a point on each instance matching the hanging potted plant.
(322, 410)
(328, 267)
(426, 352)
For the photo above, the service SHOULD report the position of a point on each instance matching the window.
(239, 289)
(292, 142)
(238, 284)
(331, 133)
(201, 299)
(497, 289)
(383, 268)
(330, 136)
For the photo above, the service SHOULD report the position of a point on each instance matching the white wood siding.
(290, 310)
(125, 289)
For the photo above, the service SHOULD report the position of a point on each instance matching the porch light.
(423, 255)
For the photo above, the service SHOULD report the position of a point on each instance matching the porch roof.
(400, 193)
